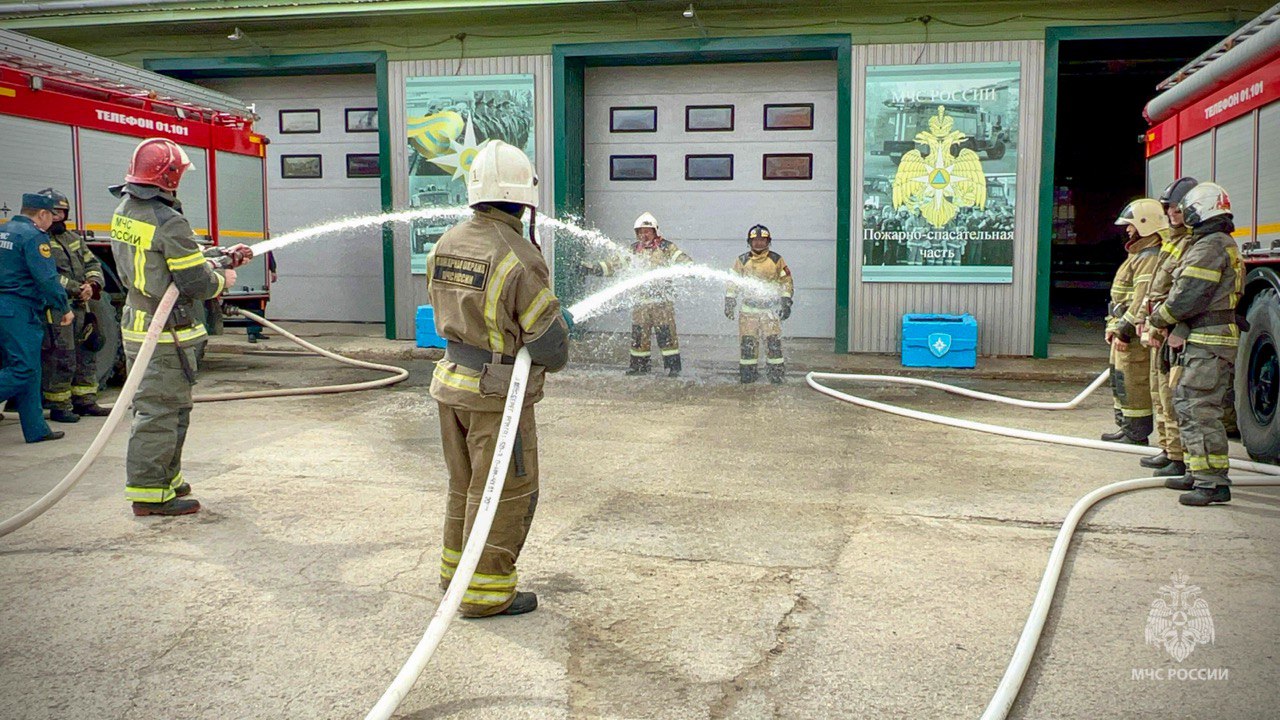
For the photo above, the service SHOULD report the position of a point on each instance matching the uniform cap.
(36, 201)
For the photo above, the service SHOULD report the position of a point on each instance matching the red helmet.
(159, 162)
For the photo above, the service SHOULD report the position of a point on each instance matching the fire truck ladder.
(39, 58)
(1248, 30)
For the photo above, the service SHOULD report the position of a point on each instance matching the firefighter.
(70, 366)
(655, 313)
(29, 291)
(1144, 222)
(154, 247)
(1169, 463)
(492, 296)
(1201, 310)
(761, 316)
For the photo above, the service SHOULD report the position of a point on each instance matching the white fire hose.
(121, 406)
(1007, 692)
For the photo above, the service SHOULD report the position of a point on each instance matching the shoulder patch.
(462, 272)
(774, 256)
(45, 250)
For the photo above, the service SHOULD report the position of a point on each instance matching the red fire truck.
(1218, 119)
(70, 121)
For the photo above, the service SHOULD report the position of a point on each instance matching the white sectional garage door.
(709, 219)
(338, 278)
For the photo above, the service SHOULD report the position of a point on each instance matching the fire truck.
(70, 121)
(1218, 119)
(984, 131)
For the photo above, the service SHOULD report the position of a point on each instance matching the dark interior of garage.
(1103, 86)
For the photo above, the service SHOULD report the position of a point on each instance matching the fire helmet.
(502, 173)
(159, 162)
(1177, 190)
(647, 220)
(60, 201)
(1145, 215)
(1203, 202)
(759, 231)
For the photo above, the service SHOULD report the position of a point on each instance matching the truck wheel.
(995, 152)
(1257, 379)
(110, 359)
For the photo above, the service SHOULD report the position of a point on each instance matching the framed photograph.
(299, 122)
(708, 118)
(300, 166)
(362, 120)
(788, 166)
(633, 119)
(633, 167)
(363, 165)
(797, 116)
(708, 167)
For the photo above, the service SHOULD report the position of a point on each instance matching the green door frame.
(569, 64)
(314, 64)
(1053, 37)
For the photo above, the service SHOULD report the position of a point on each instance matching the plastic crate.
(426, 328)
(947, 341)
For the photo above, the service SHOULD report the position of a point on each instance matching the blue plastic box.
(426, 328)
(946, 341)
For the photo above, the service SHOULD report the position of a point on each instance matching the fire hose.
(121, 406)
(1011, 683)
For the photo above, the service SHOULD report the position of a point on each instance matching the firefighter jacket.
(1207, 285)
(27, 272)
(767, 266)
(1129, 290)
(77, 264)
(1170, 255)
(645, 257)
(154, 247)
(491, 291)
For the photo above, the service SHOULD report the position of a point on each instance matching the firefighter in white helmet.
(492, 296)
(655, 310)
(1145, 226)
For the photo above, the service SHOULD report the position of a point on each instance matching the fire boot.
(1117, 436)
(1200, 497)
(747, 374)
(1175, 469)
(524, 602)
(777, 373)
(182, 490)
(1155, 462)
(1181, 482)
(176, 506)
(639, 365)
(672, 364)
(62, 415)
(91, 409)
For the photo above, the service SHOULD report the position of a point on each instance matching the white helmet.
(1145, 215)
(1204, 201)
(647, 220)
(502, 173)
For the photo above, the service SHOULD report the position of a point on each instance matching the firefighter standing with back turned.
(761, 316)
(491, 291)
(154, 247)
(1201, 312)
(1144, 222)
(70, 364)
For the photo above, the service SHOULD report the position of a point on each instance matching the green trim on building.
(1054, 36)
(569, 64)
(312, 64)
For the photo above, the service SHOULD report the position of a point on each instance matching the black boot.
(175, 506)
(639, 365)
(525, 602)
(1175, 469)
(672, 364)
(1201, 497)
(92, 409)
(748, 374)
(777, 373)
(182, 490)
(63, 416)
(1117, 436)
(1181, 482)
(1155, 461)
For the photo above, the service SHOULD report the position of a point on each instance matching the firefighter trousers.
(1166, 419)
(469, 439)
(161, 416)
(70, 372)
(651, 319)
(754, 324)
(1131, 390)
(1199, 397)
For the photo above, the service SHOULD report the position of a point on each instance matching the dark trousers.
(21, 335)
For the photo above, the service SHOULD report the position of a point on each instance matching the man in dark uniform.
(28, 288)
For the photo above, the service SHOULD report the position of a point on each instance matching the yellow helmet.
(502, 173)
(1145, 215)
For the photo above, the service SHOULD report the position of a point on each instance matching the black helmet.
(759, 231)
(1177, 190)
(60, 201)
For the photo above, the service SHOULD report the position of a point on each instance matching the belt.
(473, 357)
(179, 317)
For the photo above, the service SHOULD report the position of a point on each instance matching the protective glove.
(786, 309)
(239, 254)
(586, 268)
(568, 317)
(96, 292)
(730, 304)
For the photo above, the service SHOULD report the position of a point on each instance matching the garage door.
(345, 270)
(711, 150)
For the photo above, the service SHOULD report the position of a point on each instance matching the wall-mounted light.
(237, 35)
(689, 12)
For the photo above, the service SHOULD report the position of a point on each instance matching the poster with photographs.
(449, 118)
(939, 173)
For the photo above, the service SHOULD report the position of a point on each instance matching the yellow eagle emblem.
(946, 178)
